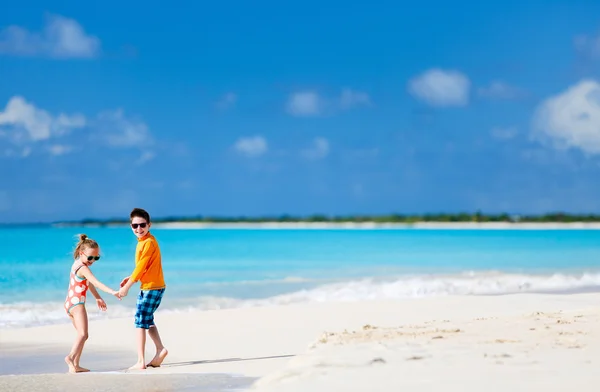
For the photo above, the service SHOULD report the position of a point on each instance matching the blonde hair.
(84, 243)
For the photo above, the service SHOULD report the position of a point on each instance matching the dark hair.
(84, 243)
(140, 213)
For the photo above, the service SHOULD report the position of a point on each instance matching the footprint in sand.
(506, 341)
(560, 321)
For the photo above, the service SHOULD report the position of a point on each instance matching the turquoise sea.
(225, 268)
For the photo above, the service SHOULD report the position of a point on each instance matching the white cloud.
(350, 98)
(116, 130)
(253, 146)
(310, 103)
(319, 150)
(500, 90)
(59, 149)
(588, 45)
(145, 157)
(227, 101)
(441, 88)
(24, 125)
(22, 122)
(504, 133)
(65, 122)
(21, 152)
(571, 119)
(305, 103)
(61, 38)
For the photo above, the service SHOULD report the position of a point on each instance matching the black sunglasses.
(90, 258)
(135, 225)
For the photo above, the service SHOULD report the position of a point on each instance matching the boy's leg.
(161, 351)
(140, 338)
(147, 303)
(80, 322)
(141, 310)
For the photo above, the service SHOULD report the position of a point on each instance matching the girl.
(86, 252)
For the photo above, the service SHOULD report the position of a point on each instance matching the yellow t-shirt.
(148, 264)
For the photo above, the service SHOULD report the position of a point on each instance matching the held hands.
(124, 289)
(116, 294)
(123, 292)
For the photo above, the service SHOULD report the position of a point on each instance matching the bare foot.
(69, 361)
(158, 358)
(138, 366)
(81, 369)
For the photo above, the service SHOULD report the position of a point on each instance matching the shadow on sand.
(199, 362)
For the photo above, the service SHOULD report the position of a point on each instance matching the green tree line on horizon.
(390, 218)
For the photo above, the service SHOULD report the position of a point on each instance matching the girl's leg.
(68, 358)
(84, 322)
(80, 322)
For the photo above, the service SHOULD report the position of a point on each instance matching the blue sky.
(259, 108)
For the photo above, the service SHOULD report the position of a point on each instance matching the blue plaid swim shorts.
(147, 303)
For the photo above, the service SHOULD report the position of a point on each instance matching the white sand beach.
(522, 342)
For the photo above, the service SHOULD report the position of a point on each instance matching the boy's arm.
(124, 290)
(140, 268)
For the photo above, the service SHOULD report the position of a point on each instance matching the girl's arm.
(94, 291)
(87, 273)
(99, 300)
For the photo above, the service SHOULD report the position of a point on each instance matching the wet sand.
(95, 382)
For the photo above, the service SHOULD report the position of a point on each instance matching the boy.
(148, 270)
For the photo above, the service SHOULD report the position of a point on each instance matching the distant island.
(399, 219)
